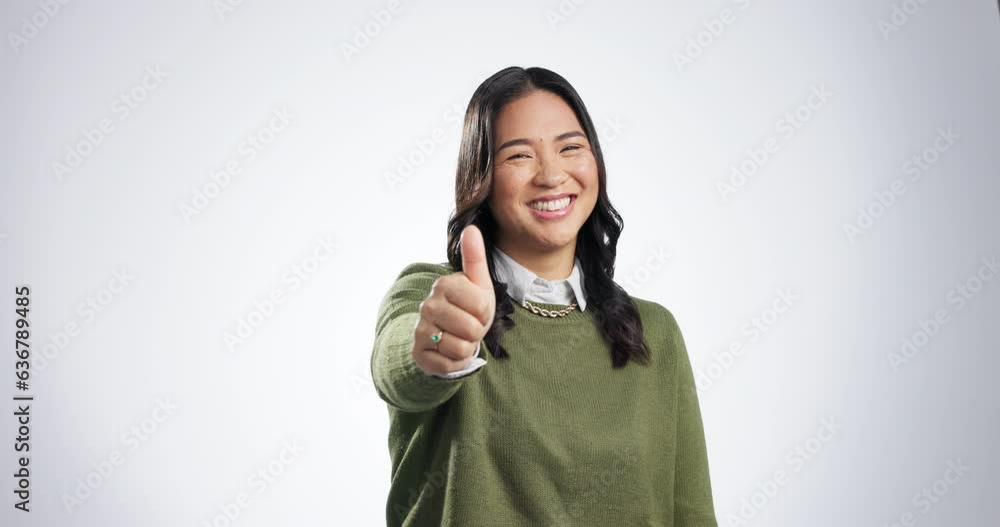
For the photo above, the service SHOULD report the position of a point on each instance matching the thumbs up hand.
(474, 260)
(461, 304)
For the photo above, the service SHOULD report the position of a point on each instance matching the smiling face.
(541, 151)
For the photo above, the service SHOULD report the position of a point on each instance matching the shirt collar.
(523, 284)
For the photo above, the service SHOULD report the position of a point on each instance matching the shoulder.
(410, 287)
(419, 276)
(653, 311)
(425, 268)
(658, 323)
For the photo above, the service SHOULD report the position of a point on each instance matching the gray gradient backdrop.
(143, 253)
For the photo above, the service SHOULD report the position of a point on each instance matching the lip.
(555, 214)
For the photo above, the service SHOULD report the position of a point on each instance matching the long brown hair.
(596, 245)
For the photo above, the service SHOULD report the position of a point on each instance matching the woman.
(524, 386)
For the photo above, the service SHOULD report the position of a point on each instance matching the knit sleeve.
(693, 504)
(398, 380)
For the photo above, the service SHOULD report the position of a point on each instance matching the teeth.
(550, 205)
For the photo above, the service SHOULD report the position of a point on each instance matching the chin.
(554, 242)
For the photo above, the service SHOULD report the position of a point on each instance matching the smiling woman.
(545, 182)
(588, 414)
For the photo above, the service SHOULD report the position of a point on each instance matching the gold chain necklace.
(546, 312)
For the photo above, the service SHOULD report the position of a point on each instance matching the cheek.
(513, 175)
(585, 170)
(505, 190)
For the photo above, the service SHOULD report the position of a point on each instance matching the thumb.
(474, 257)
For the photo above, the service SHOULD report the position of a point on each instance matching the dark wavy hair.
(597, 241)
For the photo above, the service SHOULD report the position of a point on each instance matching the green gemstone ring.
(436, 339)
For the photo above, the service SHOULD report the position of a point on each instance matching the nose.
(550, 171)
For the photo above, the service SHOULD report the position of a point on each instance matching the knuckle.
(438, 285)
(430, 308)
(461, 352)
(471, 331)
(456, 352)
(445, 289)
(485, 306)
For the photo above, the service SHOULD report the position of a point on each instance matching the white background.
(302, 375)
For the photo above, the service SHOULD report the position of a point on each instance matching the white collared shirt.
(522, 284)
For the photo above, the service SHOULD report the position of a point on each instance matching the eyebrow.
(561, 137)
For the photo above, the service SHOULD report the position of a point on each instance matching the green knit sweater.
(550, 436)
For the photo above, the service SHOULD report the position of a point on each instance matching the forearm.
(398, 379)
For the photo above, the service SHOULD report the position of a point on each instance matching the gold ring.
(436, 339)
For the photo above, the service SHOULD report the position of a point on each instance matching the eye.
(573, 147)
(519, 155)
